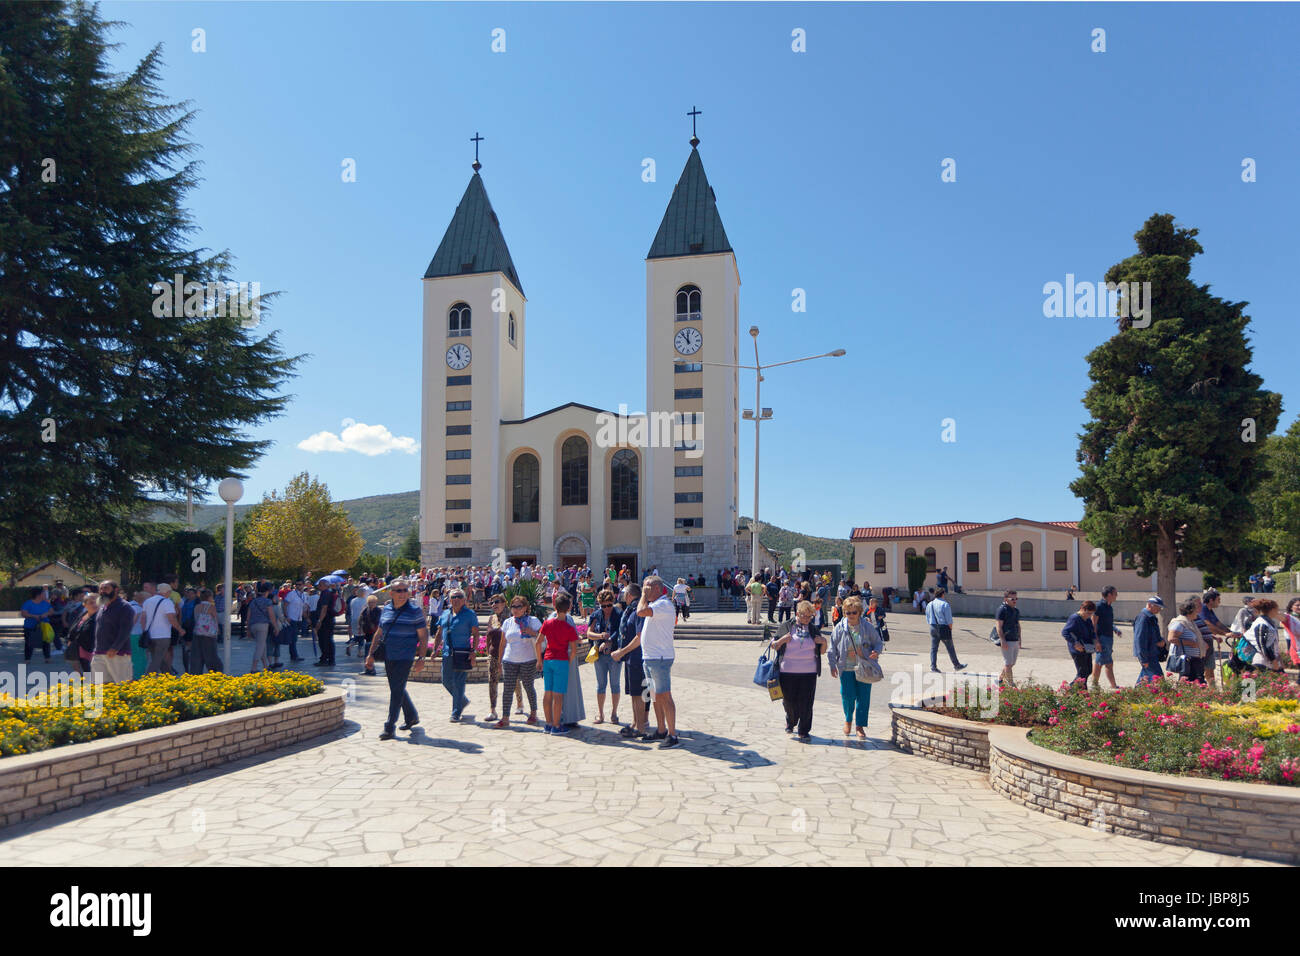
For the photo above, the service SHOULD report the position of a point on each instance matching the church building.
(576, 484)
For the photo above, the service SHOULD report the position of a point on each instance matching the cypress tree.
(1171, 455)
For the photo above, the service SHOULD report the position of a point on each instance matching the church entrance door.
(618, 560)
(572, 560)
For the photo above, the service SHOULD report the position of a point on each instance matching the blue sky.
(826, 166)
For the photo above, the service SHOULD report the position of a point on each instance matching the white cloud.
(360, 437)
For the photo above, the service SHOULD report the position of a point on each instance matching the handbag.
(47, 632)
(766, 669)
(884, 632)
(462, 660)
(593, 655)
(866, 671)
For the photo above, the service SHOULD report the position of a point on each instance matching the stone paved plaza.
(738, 791)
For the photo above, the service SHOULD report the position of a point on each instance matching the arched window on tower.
(526, 491)
(458, 317)
(573, 471)
(688, 304)
(511, 329)
(624, 486)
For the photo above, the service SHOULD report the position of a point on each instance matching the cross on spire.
(476, 139)
(695, 140)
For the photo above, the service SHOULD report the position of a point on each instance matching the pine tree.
(102, 400)
(411, 546)
(1170, 457)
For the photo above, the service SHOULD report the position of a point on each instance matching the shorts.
(633, 675)
(660, 673)
(1010, 651)
(1105, 649)
(555, 676)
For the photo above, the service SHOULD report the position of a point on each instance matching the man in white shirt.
(657, 655)
(294, 606)
(355, 607)
(160, 621)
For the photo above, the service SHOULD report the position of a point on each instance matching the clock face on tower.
(688, 341)
(458, 356)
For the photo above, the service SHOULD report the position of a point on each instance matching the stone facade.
(962, 743)
(719, 552)
(34, 785)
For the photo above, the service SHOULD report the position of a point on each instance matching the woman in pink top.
(799, 659)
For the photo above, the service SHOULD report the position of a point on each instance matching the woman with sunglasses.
(403, 630)
(853, 639)
(602, 630)
(519, 658)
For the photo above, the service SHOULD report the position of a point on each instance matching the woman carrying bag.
(402, 631)
(799, 660)
(855, 646)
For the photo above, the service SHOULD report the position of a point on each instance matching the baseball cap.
(1156, 601)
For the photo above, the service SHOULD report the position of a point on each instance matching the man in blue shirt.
(1104, 621)
(1147, 640)
(36, 610)
(938, 614)
(456, 630)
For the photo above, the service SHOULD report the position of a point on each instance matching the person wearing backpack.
(203, 648)
(1262, 636)
(1147, 642)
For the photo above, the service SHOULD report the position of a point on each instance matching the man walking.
(938, 614)
(1213, 632)
(1008, 626)
(113, 620)
(325, 614)
(773, 592)
(456, 630)
(1104, 620)
(657, 655)
(1147, 640)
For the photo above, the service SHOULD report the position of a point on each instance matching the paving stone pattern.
(739, 791)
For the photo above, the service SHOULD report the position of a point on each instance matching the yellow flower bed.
(1264, 718)
(79, 711)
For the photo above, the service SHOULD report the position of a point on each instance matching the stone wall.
(432, 672)
(1222, 816)
(1240, 819)
(34, 785)
(963, 743)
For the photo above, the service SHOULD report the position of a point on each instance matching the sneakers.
(669, 742)
(547, 729)
(959, 667)
(559, 731)
(410, 724)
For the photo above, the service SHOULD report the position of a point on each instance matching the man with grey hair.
(657, 655)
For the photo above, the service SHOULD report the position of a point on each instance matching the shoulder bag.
(767, 668)
(145, 640)
(866, 671)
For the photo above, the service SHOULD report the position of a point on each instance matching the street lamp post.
(230, 490)
(760, 414)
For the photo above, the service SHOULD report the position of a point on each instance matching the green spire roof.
(473, 243)
(691, 226)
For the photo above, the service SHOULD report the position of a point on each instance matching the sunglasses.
(606, 605)
(401, 591)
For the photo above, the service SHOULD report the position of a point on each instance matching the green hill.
(380, 515)
(785, 541)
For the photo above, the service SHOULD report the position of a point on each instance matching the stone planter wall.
(963, 743)
(1223, 816)
(34, 785)
(1242, 819)
(432, 672)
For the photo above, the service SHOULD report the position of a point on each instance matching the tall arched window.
(688, 304)
(458, 319)
(624, 486)
(931, 560)
(1026, 556)
(573, 471)
(526, 492)
(1004, 556)
(511, 329)
(880, 561)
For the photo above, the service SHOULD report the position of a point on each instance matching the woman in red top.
(557, 634)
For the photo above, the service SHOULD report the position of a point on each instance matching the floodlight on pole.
(230, 490)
